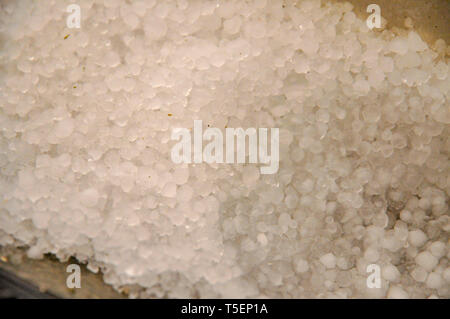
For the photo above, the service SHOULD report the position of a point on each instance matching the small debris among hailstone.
(364, 173)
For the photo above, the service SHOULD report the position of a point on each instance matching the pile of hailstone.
(85, 140)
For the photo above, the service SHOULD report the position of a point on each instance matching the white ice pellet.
(438, 249)
(371, 254)
(399, 46)
(415, 42)
(419, 274)
(434, 280)
(112, 59)
(185, 193)
(64, 128)
(250, 175)
(169, 190)
(426, 260)
(328, 260)
(301, 265)
(406, 215)
(391, 273)
(89, 197)
(181, 175)
(446, 274)
(417, 238)
(262, 239)
(396, 292)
